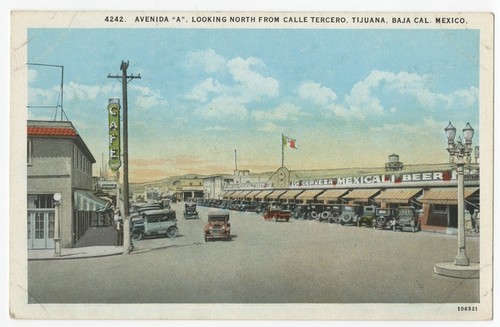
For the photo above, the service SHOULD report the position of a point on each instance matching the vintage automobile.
(383, 217)
(302, 211)
(406, 220)
(261, 206)
(276, 212)
(153, 223)
(367, 218)
(325, 212)
(190, 211)
(218, 226)
(335, 213)
(350, 214)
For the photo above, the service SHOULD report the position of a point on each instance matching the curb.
(88, 256)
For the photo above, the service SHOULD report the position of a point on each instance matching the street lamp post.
(460, 154)
(57, 225)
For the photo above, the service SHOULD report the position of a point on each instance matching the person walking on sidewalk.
(118, 227)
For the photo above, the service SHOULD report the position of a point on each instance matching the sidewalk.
(76, 253)
(96, 242)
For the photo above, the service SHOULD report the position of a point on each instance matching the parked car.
(218, 226)
(261, 207)
(154, 223)
(190, 211)
(350, 214)
(335, 213)
(367, 218)
(406, 219)
(276, 212)
(383, 217)
(302, 211)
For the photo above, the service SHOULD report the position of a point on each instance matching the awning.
(227, 194)
(237, 194)
(397, 195)
(275, 194)
(445, 195)
(332, 195)
(263, 194)
(308, 194)
(251, 194)
(87, 201)
(244, 194)
(290, 194)
(361, 195)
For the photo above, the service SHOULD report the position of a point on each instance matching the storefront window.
(440, 208)
(40, 201)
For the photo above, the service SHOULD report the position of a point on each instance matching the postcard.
(251, 165)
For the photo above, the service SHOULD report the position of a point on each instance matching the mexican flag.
(288, 142)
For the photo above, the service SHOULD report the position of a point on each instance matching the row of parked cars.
(158, 219)
(403, 218)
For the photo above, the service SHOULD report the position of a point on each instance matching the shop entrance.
(41, 229)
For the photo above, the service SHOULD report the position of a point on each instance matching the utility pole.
(126, 212)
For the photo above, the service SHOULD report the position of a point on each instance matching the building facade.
(431, 189)
(58, 162)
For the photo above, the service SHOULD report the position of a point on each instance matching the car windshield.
(220, 219)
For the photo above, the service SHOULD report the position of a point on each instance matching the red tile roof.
(51, 131)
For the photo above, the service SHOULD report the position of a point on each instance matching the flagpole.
(282, 151)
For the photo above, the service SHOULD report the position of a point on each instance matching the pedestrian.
(118, 228)
(476, 220)
(468, 222)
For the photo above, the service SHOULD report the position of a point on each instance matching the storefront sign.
(377, 180)
(114, 134)
(248, 186)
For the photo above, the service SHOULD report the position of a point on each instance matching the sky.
(349, 97)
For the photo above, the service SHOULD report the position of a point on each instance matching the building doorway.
(41, 228)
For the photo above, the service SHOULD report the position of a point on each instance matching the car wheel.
(136, 236)
(206, 239)
(345, 219)
(172, 232)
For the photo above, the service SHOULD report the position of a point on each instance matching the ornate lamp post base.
(57, 247)
(450, 269)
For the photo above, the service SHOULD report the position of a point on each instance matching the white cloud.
(269, 127)
(366, 97)
(230, 99)
(252, 84)
(317, 93)
(208, 60)
(420, 127)
(75, 91)
(223, 107)
(43, 97)
(469, 97)
(32, 75)
(286, 111)
(147, 98)
(201, 91)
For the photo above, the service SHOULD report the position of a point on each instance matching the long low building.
(430, 188)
